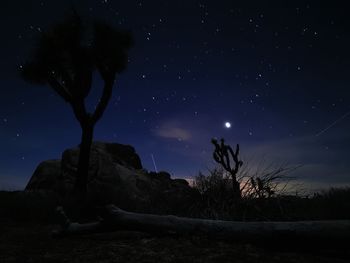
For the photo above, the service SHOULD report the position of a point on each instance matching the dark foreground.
(20, 242)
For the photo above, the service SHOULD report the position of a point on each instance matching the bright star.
(227, 125)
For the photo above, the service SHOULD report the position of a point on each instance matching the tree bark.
(236, 189)
(87, 123)
(116, 218)
(84, 160)
(105, 98)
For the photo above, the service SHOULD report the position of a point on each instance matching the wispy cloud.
(173, 130)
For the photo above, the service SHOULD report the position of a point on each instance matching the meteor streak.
(154, 163)
(333, 123)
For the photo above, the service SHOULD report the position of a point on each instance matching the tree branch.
(80, 112)
(59, 89)
(106, 96)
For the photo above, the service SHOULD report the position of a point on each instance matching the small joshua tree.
(229, 160)
(65, 58)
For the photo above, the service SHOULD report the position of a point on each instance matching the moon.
(227, 125)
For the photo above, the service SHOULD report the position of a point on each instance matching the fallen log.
(115, 218)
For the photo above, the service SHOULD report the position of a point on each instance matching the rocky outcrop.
(45, 176)
(115, 176)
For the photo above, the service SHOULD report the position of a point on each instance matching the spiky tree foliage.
(65, 58)
(229, 160)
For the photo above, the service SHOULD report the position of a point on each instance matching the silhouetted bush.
(216, 202)
(215, 199)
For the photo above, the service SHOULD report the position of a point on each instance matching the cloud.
(172, 130)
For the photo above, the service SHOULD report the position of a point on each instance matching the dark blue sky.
(280, 75)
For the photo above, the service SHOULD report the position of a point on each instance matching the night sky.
(280, 75)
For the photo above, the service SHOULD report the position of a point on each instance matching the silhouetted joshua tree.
(223, 155)
(66, 57)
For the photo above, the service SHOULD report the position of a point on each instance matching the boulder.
(45, 176)
(121, 154)
(115, 176)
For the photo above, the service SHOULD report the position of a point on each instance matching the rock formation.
(116, 176)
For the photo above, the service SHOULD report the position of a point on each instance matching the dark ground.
(24, 242)
(27, 219)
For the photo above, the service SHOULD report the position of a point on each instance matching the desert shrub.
(261, 193)
(215, 200)
(215, 195)
(267, 181)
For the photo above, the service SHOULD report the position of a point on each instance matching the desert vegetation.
(31, 215)
(102, 187)
(65, 59)
(216, 202)
(234, 191)
(263, 195)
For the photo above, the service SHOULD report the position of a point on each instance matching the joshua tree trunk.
(87, 123)
(84, 160)
(236, 189)
(115, 218)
